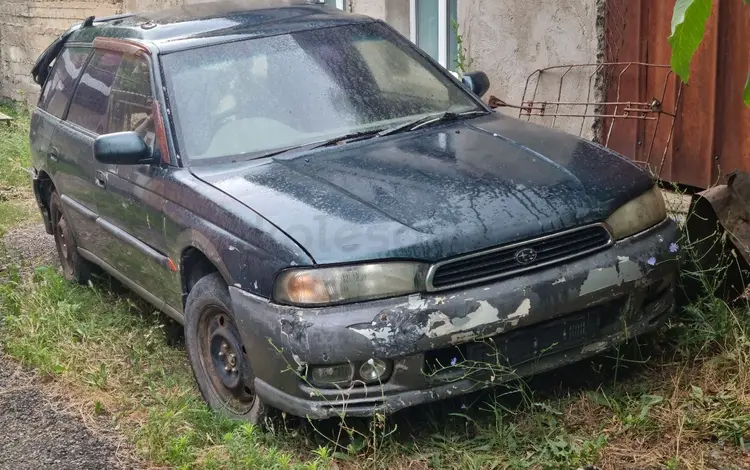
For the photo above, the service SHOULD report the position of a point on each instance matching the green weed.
(16, 212)
(112, 352)
(15, 158)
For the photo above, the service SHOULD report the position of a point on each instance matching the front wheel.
(219, 359)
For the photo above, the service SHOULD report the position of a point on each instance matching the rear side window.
(89, 106)
(131, 104)
(59, 88)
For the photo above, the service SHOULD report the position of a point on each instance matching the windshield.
(247, 98)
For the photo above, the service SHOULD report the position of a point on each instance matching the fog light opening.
(374, 370)
(340, 375)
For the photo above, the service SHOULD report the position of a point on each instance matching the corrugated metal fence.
(711, 132)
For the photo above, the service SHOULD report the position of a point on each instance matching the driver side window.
(131, 102)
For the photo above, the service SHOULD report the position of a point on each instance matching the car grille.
(519, 257)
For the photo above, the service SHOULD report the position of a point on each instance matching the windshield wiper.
(354, 136)
(361, 135)
(431, 119)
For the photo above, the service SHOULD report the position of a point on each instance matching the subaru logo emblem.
(525, 256)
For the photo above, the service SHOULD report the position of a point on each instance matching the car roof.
(205, 23)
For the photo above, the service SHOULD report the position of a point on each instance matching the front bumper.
(631, 282)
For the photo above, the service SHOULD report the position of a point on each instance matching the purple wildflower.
(652, 261)
(454, 361)
(673, 247)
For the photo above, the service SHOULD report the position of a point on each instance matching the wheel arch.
(198, 258)
(43, 188)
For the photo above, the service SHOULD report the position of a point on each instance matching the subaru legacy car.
(340, 224)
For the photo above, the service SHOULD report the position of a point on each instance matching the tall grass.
(15, 158)
(16, 203)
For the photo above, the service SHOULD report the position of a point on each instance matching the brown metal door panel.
(622, 40)
(694, 151)
(732, 130)
(711, 135)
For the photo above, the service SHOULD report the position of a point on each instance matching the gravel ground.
(37, 432)
(36, 429)
(31, 245)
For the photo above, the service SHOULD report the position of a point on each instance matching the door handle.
(52, 154)
(100, 179)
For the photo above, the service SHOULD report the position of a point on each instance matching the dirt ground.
(38, 431)
(37, 428)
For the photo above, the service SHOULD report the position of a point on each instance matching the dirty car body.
(384, 238)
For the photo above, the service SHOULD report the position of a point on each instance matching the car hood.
(433, 193)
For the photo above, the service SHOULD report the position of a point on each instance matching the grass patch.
(16, 198)
(16, 212)
(112, 353)
(680, 401)
(15, 157)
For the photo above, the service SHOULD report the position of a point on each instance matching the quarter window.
(89, 106)
(59, 87)
(432, 29)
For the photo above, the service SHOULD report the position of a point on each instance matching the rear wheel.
(74, 267)
(219, 359)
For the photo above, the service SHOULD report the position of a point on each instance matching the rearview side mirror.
(121, 148)
(477, 82)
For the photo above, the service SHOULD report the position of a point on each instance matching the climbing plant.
(688, 28)
(463, 62)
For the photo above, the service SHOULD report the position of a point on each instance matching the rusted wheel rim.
(64, 245)
(224, 359)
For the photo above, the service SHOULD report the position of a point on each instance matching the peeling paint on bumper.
(286, 339)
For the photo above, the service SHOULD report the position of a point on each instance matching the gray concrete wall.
(397, 15)
(395, 12)
(27, 27)
(510, 39)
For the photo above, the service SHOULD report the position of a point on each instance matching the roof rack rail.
(107, 19)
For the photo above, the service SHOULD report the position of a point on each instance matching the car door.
(130, 208)
(65, 153)
(85, 120)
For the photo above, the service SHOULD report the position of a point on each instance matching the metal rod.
(617, 99)
(536, 87)
(671, 129)
(583, 103)
(619, 116)
(656, 127)
(559, 95)
(588, 100)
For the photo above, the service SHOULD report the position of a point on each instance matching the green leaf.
(688, 26)
(746, 95)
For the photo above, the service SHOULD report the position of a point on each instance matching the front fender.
(249, 263)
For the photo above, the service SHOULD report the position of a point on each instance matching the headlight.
(641, 213)
(342, 284)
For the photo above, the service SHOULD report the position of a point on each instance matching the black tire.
(74, 267)
(218, 358)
